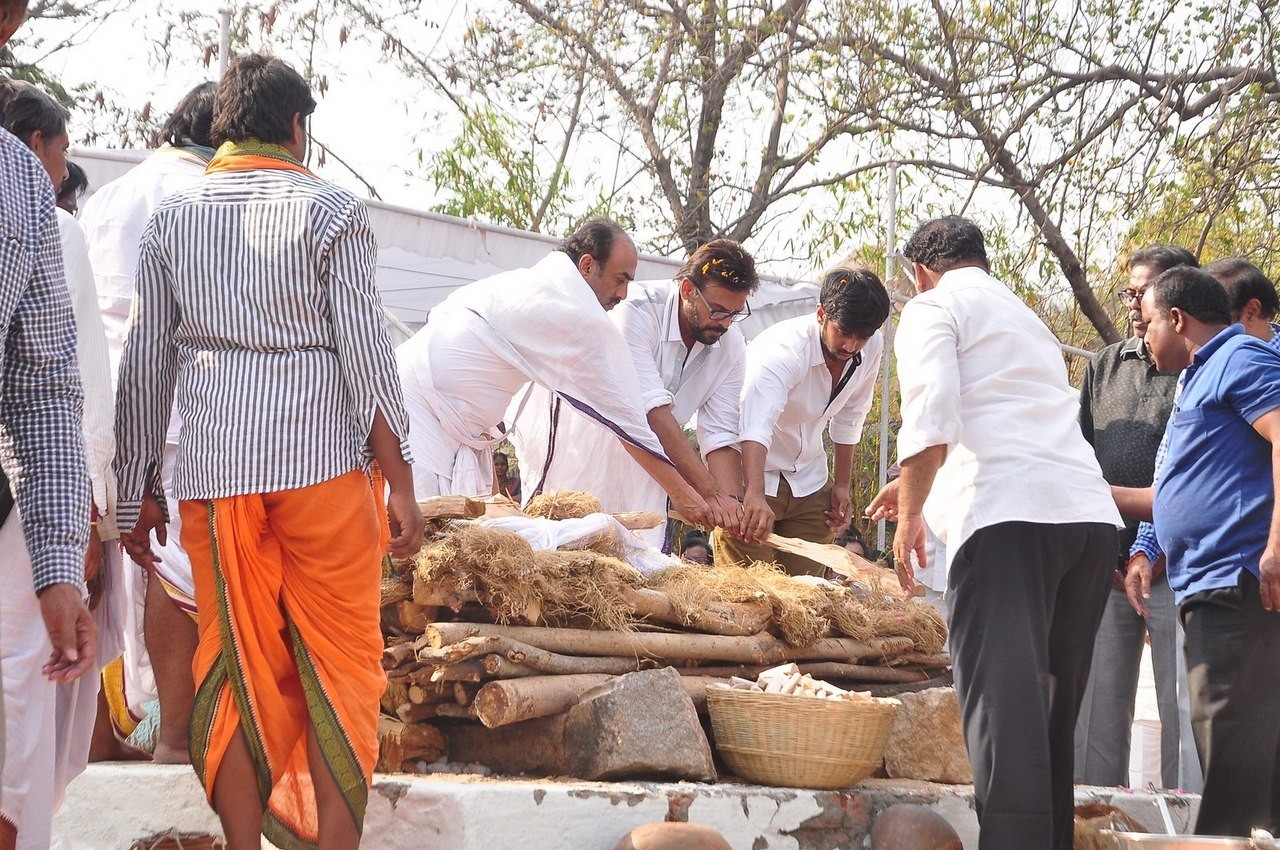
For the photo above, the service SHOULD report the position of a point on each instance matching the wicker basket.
(797, 741)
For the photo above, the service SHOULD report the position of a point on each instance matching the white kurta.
(787, 403)
(702, 380)
(113, 219)
(488, 339)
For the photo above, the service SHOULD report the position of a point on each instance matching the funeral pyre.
(485, 629)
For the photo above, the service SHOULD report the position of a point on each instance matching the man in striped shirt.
(256, 300)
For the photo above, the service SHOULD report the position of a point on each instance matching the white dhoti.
(30, 725)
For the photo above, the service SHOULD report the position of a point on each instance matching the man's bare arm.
(918, 472)
(1134, 502)
(1268, 425)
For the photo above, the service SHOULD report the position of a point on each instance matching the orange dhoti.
(288, 583)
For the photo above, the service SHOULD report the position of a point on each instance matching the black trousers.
(1026, 600)
(1233, 673)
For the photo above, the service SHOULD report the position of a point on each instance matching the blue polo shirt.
(1215, 495)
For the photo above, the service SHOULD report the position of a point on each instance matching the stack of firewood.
(508, 662)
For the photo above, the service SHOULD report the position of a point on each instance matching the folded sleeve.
(929, 378)
(719, 418)
(771, 373)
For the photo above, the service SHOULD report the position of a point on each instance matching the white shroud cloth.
(488, 339)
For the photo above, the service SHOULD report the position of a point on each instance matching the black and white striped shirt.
(256, 300)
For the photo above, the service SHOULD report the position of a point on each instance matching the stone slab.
(114, 804)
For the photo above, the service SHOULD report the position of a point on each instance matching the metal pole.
(890, 268)
(224, 41)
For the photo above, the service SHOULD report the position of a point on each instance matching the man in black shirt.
(1124, 405)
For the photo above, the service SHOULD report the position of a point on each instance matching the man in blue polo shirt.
(1215, 517)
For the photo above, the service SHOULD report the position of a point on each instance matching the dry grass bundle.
(586, 588)
(562, 504)
(395, 589)
(848, 615)
(472, 557)
(913, 619)
(799, 609)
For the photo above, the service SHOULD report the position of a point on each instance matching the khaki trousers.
(794, 516)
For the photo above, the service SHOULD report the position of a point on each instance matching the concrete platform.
(113, 805)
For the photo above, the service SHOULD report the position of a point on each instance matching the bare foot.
(165, 754)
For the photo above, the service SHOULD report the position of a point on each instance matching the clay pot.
(673, 836)
(912, 827)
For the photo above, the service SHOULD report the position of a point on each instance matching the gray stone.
(927, 739)
(637, 725)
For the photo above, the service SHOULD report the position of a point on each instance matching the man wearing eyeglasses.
(805, 376)
(689, 357)
(1124, 405)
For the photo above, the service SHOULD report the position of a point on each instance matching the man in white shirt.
(989, 435)
(804, 374)
(546, 324)
(690, 360)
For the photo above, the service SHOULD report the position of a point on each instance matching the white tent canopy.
(423, 256)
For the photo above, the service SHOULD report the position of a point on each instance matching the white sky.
(370, 116)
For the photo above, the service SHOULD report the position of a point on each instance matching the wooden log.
(551, 662)
(410, 713)
(413, 617)
(696, 688)
(922, 659)
(398, 742)
(451, 507)
(395, 694)
(760, 648)
(506, 701)
(471, 670)
(428, 693)
(471, 647)
(718, 618)
(535, 746)
(502, 667)
(452, 709)
(464, 693)
(396, 654)
(427, 593)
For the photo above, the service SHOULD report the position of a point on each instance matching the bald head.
(12, 14)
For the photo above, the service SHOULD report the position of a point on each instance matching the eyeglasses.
(721, 315)
(1128, 296)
